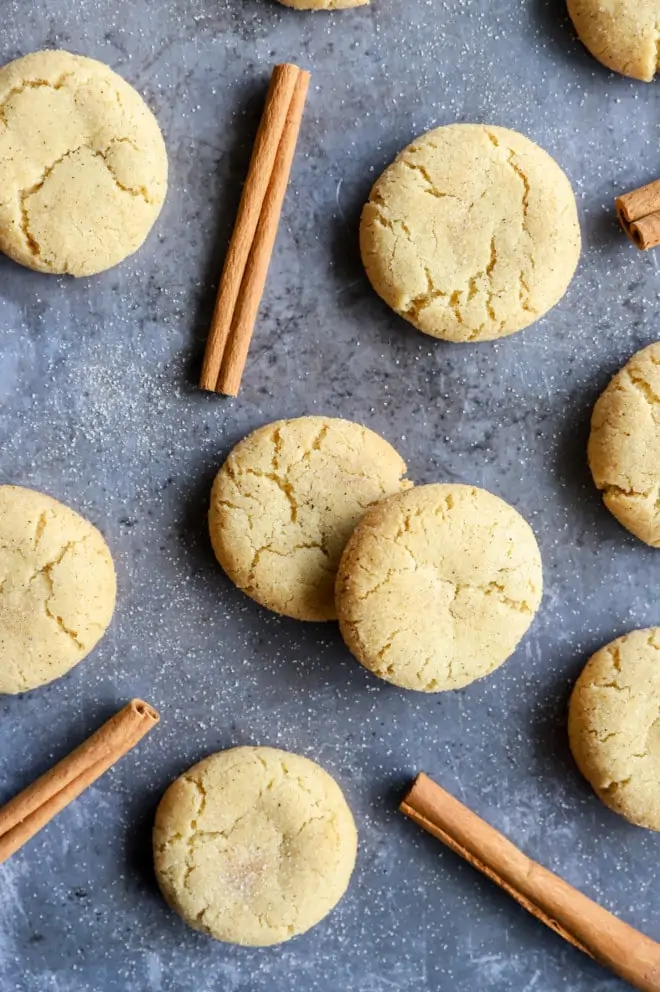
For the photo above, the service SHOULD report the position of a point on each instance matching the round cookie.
(622, 34)
(614, 726)
(624, 445)
(471, 234)
(254, 845)
(324, 4)
(437, 586)
(83, 166)
(286, 501)
(57, 589)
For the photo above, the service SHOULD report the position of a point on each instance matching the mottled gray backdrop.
(100, 409)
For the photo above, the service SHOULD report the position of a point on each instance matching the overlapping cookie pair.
(433, 586)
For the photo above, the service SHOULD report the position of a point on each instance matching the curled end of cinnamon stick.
(144, 711)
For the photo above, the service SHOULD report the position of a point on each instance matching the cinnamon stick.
(585, 924)
(251, 245)
(639, 215)
(29, 811)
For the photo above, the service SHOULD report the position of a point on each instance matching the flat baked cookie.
(324, 4)
(622, 34)
(286, 501)
(472, 233)
(614, 726)
(254, 845)
(624, 445)
(83, 166)
(437, 586)
(57, 589)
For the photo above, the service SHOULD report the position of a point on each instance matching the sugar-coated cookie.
(286, 501)
(83, 166)
(254, 845)
(57, 588)
(622, 34)
(437, 586)
(614, 726)
(624, 445)
(472, 233)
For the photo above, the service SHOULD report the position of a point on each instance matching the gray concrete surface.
(99, 408)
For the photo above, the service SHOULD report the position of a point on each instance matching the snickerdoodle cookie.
(286, 501)
(83, 166)
(624, 445)
(437, 586)
(472, 233)
(57, 588)
(622, 34)
(614, 726)
(254, 845)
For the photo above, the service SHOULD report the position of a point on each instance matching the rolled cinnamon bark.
(576, 918)
(639, 215)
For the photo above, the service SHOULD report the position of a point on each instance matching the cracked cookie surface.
(471, 234)
(622, 34)
(286, 501)
(83, 166)
(437, 586)
(624, 445)
(254, 845)
(614, 726)
(57, 588)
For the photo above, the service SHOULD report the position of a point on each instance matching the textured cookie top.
(83, 167)
(624, 445)
(471, 233)
(622, 34)
(254, 845)
(324, 4)
(286, 501)
(437, 586)
(57, 588)
(614, 726)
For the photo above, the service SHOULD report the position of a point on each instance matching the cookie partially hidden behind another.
(57, 589)
(624, 445)
(614, 726)
(622, 34)
(324, 4)
(472, 233)
(286, 501)
(254, 845)
(83, 166)
(437, 586)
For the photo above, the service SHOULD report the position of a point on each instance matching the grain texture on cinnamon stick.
(600, 934)
(639, 215)
(247, 306)
(24, 815)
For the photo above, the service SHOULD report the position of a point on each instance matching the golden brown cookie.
(472, 233)
(57, 589)
(614, 726)
(83, 166)
(622, 34)
(254, 845)
(286, 501)
(624, 445)
(437, 586)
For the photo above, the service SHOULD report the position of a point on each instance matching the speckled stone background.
(100, 409)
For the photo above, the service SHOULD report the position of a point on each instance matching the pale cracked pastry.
(286, 501)
(57, 588)
(437, 586)
(624, 445)
(472, 233)
(254, 845)
(324, 4)
(83, 166)
(614, 726)
(622, 34)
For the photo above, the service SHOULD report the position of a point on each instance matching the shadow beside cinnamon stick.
(571, 914)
